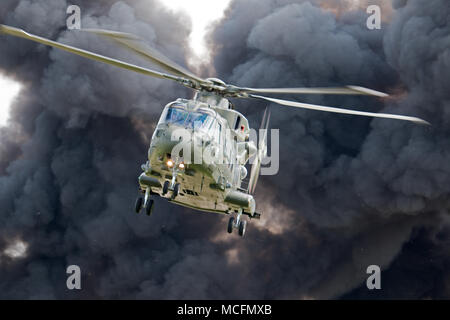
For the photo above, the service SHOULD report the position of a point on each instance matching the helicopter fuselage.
(203, 148)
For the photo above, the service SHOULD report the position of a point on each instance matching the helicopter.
(207, 124)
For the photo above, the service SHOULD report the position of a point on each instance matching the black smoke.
(350, 192)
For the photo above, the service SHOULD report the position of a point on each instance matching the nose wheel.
(168, 186)
(176, 189)
(237, 223)
(165, 188)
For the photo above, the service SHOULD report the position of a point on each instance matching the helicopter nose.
(172, 141)
(185, 144)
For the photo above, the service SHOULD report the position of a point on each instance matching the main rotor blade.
(331, 90)
(87, 54)
(137, 45)
(264, 125)
(339, 110)
(254, 175)
(261, 154)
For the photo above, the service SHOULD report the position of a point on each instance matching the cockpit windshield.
(192, 120)
(176, 116)
(197, 120)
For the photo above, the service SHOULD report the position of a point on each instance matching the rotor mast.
(213, 96)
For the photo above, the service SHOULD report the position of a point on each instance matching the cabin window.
(219, 132)
(238, 122)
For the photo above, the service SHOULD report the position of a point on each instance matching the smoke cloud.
(351, 191)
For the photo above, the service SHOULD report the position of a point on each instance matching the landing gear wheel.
(230, 225)
(176, 189)
(138, 205)
(165, 187)
(242, 227)
(149, 207)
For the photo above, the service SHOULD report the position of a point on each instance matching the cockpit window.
(198, 120)
(176, 116)
(193, 120)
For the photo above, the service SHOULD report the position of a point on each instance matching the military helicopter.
(213, 126)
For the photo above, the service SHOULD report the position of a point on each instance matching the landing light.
(181, 165)
(170, 163)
